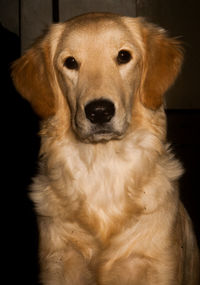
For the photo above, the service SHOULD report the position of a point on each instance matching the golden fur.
(107, 202)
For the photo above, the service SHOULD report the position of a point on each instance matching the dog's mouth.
(95, 134)
(102, 131)
(104, 135)
(101, 137)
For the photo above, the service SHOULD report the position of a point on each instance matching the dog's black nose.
(100, 111)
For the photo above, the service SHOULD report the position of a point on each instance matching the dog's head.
(94, 68)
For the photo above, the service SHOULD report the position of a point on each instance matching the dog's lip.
(101, 132)
(103, 136)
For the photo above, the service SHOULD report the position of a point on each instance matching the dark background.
(20, 125)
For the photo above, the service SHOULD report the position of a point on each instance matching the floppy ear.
(161, 65)
(33, 78)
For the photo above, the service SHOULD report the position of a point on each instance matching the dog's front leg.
(125, 271)
(62, 263)
(136, 270)
(65, 268)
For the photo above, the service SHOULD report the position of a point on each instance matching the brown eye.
(71, 63)
(123, 57)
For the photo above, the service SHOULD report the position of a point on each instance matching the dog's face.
(99, 65)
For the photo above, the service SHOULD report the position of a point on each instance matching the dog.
(106, 194)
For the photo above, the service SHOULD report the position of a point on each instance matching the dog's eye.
(123, 57)
(71, 63)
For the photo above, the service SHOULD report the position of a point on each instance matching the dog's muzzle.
(99, 121)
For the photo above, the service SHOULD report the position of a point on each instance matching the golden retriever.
(106, 194)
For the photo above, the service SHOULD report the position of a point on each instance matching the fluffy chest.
(102, 186)
(103, 201)
(100, 179)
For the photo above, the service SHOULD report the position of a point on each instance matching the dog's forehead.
(94, 29)
(95, 22)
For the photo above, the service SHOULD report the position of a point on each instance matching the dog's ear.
(34, 77)
(161, 64)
